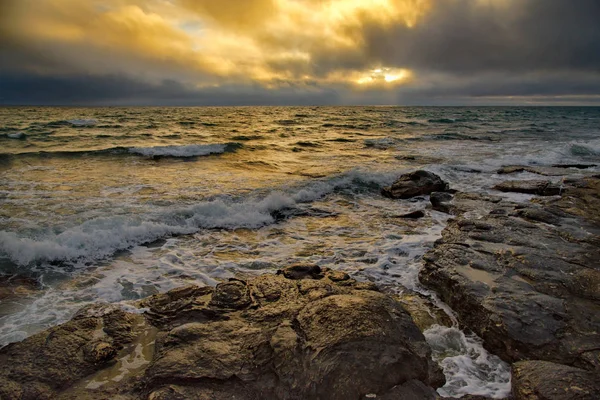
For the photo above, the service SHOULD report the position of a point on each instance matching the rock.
(577, 166)
(542, 380)
(540, 188)
(527, 280)
(539, 170)
(12, 286)
(306, 332)
(553, 170)
(233, 294)
(423, 312)
(440, 201)
(301, 271)
(462, 202)
(48, 362)
(411, 390)
(417, 183)
(413, 215)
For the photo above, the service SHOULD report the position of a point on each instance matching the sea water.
(115, 204)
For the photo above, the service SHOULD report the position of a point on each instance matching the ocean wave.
(73, 123)
(100, 238)
(178, 151)
(15, 135)
(442, 121)
(585, 149)
(192, 150)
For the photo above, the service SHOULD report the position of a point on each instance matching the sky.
(299, 52)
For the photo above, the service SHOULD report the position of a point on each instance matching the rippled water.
(115, 204)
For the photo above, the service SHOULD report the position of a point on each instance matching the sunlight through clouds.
(267, 41)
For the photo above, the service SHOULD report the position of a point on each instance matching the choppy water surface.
(115, 204)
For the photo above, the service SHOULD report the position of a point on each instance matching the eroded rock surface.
(416, 183)
(542, 380)
(306, 333)
(526, 278)
(44, 364)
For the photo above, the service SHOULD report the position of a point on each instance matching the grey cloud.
(467, 36)
(23, 89)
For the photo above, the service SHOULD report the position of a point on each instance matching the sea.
(116, 204)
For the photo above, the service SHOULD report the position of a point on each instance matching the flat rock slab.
(526, 278)
(553, 170)
(305, 333)
(536, 187)
(542, 380)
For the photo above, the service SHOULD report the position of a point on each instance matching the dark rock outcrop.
(307, 332)
(540, 188)
(542, 380)
(526, 278)
(553, 170)
(416, 183)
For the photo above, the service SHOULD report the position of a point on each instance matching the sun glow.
(383, 76)
(274, 43)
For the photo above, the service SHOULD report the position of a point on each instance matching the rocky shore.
(525, 277)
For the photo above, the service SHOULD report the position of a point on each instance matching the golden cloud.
(272, 42)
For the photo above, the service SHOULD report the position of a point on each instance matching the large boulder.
(542, 380)
(526, 278)
(416, 183)
(307, 332)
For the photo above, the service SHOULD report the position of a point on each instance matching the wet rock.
(233, 294)
(526, 280)
(540, 188)
(416, 183)
(423, 312)
(440, 201)
(185, 303)
(411, 390)
(46, 363)
(301, 271)
(462, 202)
(99, 353)
(413, 215)
(577, 166)
(338, 276)
(14, 286)
(542, 380)
(306, 332)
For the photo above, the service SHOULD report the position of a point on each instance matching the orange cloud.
(266, 41)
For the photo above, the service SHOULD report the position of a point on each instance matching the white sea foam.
(192, 150)
(101, 237)
(468, 367)
(82, 122)
(16, 135)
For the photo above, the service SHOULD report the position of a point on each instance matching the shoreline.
(540, 341)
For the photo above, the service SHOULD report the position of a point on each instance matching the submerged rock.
(307, 332)
(416, 183)
(526, 278)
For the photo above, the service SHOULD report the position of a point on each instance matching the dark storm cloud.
(472, 36)
(460, 51)
(24, 89)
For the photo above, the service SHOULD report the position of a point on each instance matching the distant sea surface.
(115, 204)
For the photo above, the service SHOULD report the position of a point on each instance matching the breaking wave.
(100, 238)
